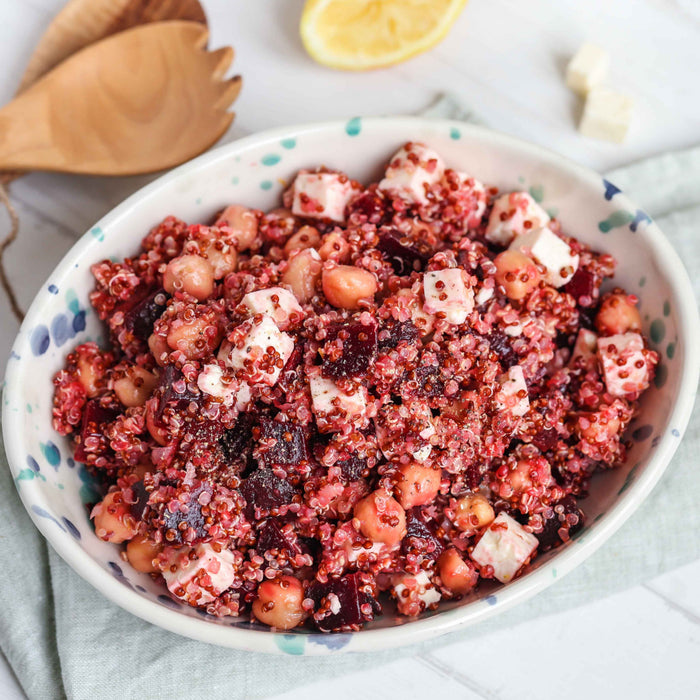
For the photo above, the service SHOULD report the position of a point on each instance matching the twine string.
(4, 245)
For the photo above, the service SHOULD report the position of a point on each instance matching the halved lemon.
(364, 34)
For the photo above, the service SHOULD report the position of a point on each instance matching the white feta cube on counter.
(446, 291)
(202, 578)
(322, 195)
(414, 593)
(277, 303)
(412, 168)
(587, 68)
(625, 369)
(550, 251)
(505, 546)
(258, 351)
(327, 398)
(509, 398)
(606, 115)
(509, 214)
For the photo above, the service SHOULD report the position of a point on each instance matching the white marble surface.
(506, 58)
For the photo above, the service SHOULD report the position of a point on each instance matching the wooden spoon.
(83, 22)
(143, 100)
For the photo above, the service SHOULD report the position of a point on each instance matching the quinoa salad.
(367, 400)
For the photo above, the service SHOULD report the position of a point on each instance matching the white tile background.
(505, 58)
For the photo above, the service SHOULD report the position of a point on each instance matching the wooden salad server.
(139, 101)
(83, 22)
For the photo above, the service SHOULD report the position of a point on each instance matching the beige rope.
(4, 244)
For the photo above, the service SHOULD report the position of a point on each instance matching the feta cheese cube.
(505, 546)
(322, 195)
(625, 370)
(202, 578)
(423, 321)
(587, 68)
(508, 217)
(277, 303)
(446, 291)
(508, 399)
(606, 115)
(585, 345)
(327, 398)
(483, 295)
(414, 593)
(550, 251)
(212, 381)
(257, 351)
(413, 168)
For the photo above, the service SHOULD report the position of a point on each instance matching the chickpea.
(244, 223)
(113, 519)
(334, 247)
(221, 256)
(279, 603)
(302, 274)
(191, 274)
(135, 387)
(516, 273)
(598, 426)
(345, 285)
(157, 432)
(618, 314)
(381, 518)
(473, 512)
(196, 338)
(159, 347)
(305, 237)
(88, 377)
(417, 485)
(141, 552)
(457, 576)
(519, 477)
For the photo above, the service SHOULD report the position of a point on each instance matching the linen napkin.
(63, 639)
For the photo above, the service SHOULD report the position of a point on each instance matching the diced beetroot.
(264, 490)
(189, 515)
(345, 595)
(359, 351)
(501, 346)
(168, 391)
(141, 495)
(546, 439)
(428, 381)
(143, 315)
(393, 332)
(473, 476)
(352, 467)
(563, 512)
(271, 536)
(367, 207)
(582, 284)
(421, 536)
(95, 417)
(405, 256)
(236, 442)
(281, 444)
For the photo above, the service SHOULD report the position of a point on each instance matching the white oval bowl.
(254, 171)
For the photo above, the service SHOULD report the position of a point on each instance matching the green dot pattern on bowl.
(455, 133)
(288, 143)
(354, 126)
(615, 220)
(266, 185)
(537, 193)
(270, 159)
(657, 330)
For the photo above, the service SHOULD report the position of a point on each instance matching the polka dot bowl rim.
(35, 496)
